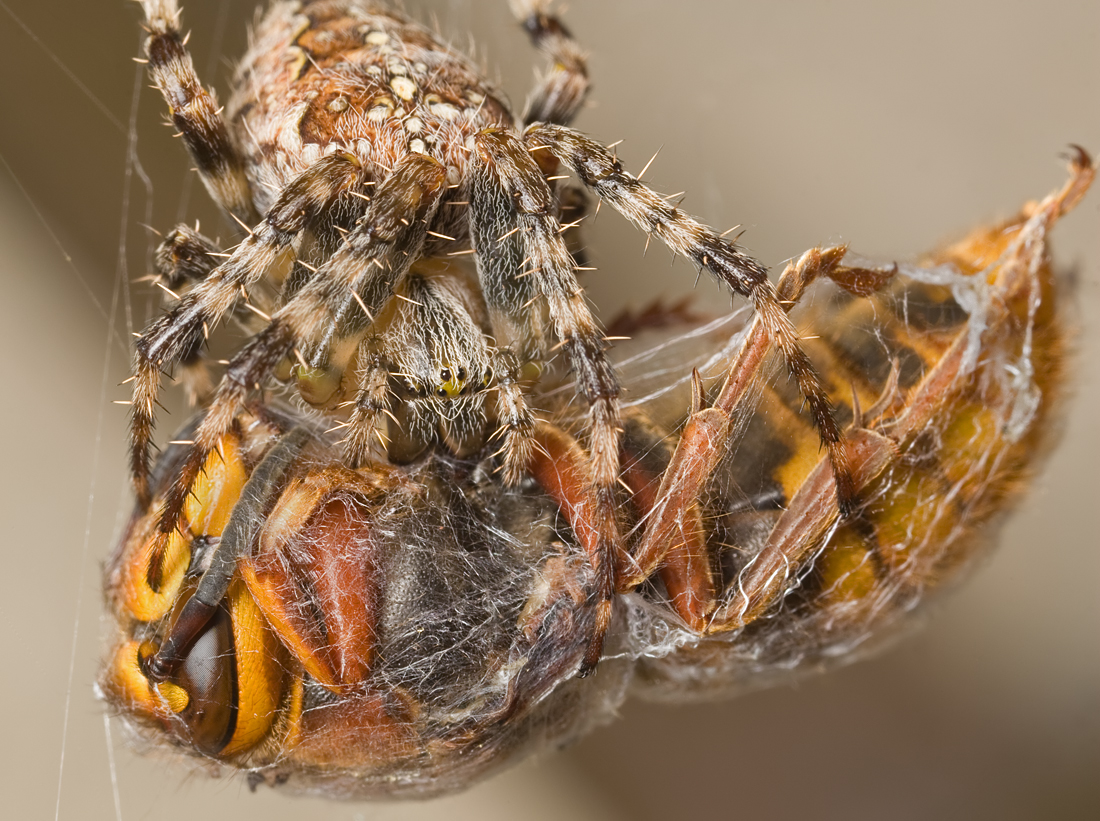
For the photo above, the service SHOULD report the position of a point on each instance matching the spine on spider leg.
(332, 314)
(511, 293)
(185, 258)
(514, 415)
(157, 345)
(779, 327)
(373, 399)
(389, 238)
(337, 308)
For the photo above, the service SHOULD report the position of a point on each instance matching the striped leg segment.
(267, 251)
(195, 111)
(561, 91)
(384, 244)
(524, 265)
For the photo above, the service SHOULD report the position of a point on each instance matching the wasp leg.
(563, 470)
(236, 540)
(703, 440)
(1021, 241)
(561, 91)
(813, 511)
(671, 515)
(685, 569)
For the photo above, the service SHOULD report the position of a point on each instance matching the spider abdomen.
(322, 77)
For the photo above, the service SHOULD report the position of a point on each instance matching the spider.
(370, 159)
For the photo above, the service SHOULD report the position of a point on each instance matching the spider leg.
(184, 258)
(383, 246)
(512, 224)
(573, 209)
(195, 112)
(267, 250)
(598, 169)
(562, 90)
(811, 513)
(514, 414)
(512, 297)
(374, 399)
(703, 440)
(351, 288)
(671, 514)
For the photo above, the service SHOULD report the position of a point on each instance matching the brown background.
(809, 123)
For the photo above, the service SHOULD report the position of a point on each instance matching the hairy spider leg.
(183, 259)
(514, 415)
(512, 215)
(670, 514)
(266, 252)
(195, 112)
(600, 171)
(561, 91)
(813, 509)
(388, 238)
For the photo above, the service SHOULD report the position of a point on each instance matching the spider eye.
(451, 382)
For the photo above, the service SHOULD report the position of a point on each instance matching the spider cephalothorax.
(371, 158)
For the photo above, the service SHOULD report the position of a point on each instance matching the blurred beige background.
(892, 129)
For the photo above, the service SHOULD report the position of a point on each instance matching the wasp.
(392, 630)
